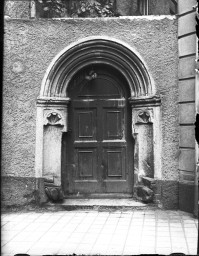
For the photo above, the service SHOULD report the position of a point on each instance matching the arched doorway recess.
(54, 100)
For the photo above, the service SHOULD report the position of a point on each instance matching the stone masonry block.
(185, 5)
(187, 136)
(187, 45)
(187, 160)
(187, 90)
(186, 197)
(169, 194)
(187, 113)
(189, 20)
(187, 67)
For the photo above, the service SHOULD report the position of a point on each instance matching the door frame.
(52, 103)
(100, 100)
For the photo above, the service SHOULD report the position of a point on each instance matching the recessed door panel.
(86, 163)
(113, 124)
(114, 162)
(85, 124)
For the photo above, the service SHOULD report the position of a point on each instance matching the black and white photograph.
(100, 127)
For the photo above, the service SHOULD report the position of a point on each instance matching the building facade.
(100, 105)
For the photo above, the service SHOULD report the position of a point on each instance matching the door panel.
(86, 163)
(114, 160)
(113, 120)
(85, 124)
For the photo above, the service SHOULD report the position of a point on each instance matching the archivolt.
(93, 51)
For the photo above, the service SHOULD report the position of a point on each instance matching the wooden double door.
(97, 155)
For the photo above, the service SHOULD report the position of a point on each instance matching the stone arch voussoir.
(93, 51)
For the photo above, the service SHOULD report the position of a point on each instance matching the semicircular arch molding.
(96, 51)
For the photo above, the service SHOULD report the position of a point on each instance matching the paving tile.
(135, 242)
(130, 250)
(121, 232)
(99, 249)
(67, 249)
(191, 240)
(21, 236)
(179, 250)
(113, 249)
(51, 248)
(22, 247)
(177, 234)
(165, 234)
(9, 235)
(162, 224)
(58, 230)
(163, 250)
(107, 229)
(89, 239)
(83, 249)
(176, 242)
(161, 240)
(147, 228)
(7, 250)
(17, 247)
(72, 240)
(103, 241)
(149, 232)
(147, 250)
(9, 226)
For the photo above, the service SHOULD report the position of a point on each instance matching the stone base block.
(169, 194)
(186, 197)
(18, 191)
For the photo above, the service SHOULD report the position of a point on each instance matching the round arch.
(53, 101)
(97, 50)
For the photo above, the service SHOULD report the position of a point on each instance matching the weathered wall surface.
(17, 9)
(30, 45)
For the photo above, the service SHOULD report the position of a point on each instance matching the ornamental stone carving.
(53, 118)
(143, 117)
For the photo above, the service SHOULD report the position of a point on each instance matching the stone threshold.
(101, 204)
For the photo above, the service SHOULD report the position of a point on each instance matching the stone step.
(101, 204)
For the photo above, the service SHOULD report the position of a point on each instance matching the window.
(102, 8)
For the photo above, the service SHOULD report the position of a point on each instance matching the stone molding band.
(92, 52)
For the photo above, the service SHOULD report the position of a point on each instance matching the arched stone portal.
(52, 105)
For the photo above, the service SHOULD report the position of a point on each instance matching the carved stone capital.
(53, 118)
(153, 101)
(143, 116)
(52, 101)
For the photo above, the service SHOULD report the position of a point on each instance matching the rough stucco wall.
(31, 45)
(17, 9)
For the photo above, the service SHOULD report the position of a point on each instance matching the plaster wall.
(30, 46)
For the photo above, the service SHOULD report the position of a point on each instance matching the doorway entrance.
(97, 150)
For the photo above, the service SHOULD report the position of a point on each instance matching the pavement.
(91, 232)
